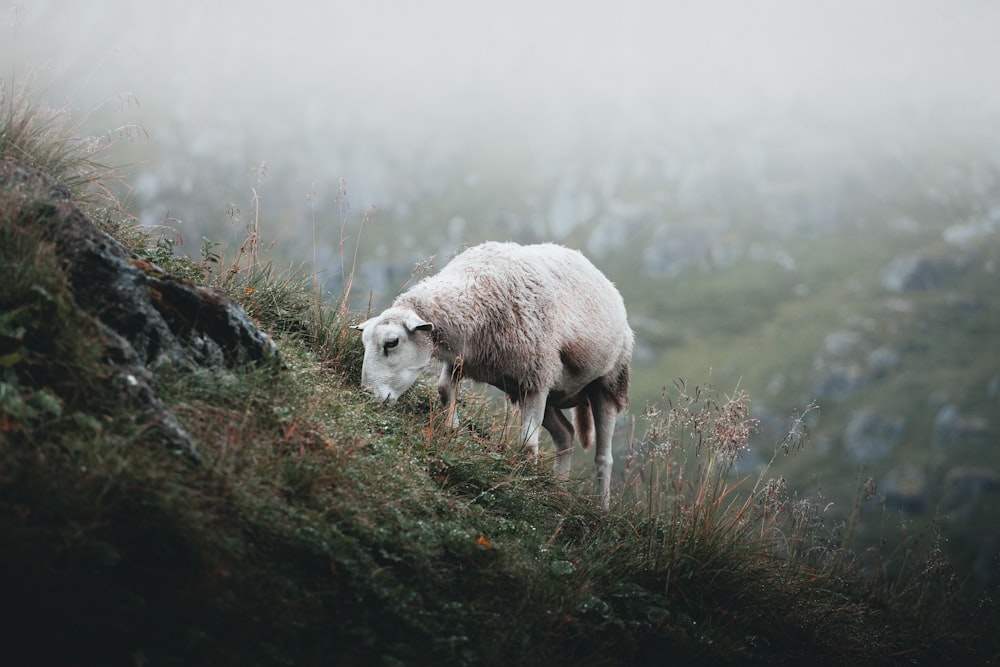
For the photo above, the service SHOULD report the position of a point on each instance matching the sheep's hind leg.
(604, 412)
(562, 436)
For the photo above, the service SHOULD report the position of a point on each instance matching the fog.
(348, 86)
(672, 126)
(665, 137)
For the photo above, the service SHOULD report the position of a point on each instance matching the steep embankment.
(172, 491)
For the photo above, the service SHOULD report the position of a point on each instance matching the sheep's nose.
(386, 398)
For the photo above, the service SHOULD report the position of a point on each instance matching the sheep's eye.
(389, 344)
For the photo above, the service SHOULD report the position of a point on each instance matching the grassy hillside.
(319, 528)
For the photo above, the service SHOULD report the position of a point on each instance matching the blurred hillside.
(801, 201)
(859, 277)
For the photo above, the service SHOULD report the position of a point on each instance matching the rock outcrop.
(147, 318)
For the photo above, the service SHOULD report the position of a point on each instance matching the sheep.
(539, 322)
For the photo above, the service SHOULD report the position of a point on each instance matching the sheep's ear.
(361, 327)
(415, 323)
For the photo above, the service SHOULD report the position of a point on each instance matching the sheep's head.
(397, 347)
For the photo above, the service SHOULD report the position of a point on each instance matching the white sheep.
(539, 322)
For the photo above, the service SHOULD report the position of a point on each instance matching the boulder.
(147, 317)
(883, 360)
(871, 437)
(951, 427)
(967, 482)
(906, 488)
(919, 273)
(840, 380)
(842, 343)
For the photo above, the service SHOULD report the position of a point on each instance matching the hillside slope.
(317, 528)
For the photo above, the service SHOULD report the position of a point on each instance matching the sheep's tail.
(584, 418)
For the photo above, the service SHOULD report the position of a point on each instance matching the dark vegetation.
(318, 528)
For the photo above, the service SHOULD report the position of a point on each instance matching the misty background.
(799, 199)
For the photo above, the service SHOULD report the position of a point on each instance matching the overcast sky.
(550, 77)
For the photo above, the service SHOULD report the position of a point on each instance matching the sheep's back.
(524, 312)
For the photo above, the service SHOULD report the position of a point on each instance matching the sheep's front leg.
(448, 391)
(532, 416)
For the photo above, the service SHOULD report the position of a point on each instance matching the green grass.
(320, 528)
